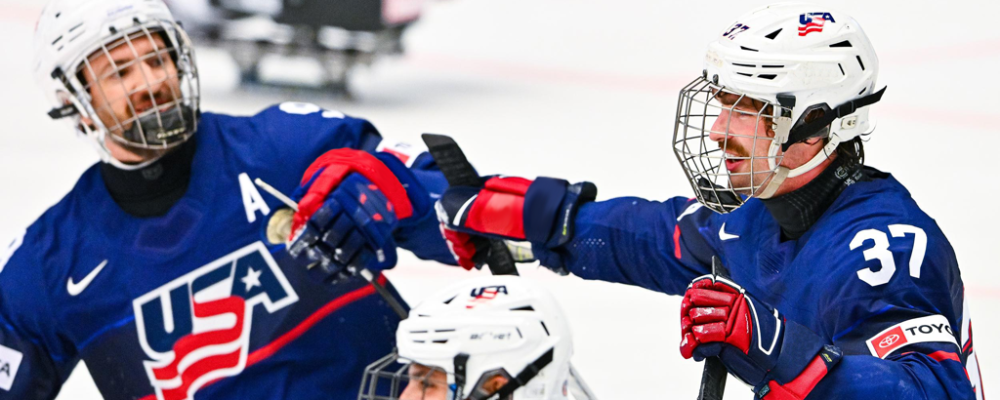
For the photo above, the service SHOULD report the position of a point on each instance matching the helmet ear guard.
(803, 130)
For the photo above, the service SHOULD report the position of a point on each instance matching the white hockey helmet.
(478, 329)
(791, 59)
(70, 32)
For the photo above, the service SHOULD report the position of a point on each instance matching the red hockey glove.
(350, 203)
(539, 211)
(781, 359)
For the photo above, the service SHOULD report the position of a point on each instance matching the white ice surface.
(586, 89)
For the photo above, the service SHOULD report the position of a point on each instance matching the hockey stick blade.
(459, 172)
(713, 377)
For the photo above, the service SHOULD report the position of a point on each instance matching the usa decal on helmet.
(813, 22)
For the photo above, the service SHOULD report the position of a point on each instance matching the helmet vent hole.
(449, 300)
(862, 91)
(748, 49)
(546, 328)
(841, 69)
(767, 76)
(441, 341)
(525, 308)
(443, 330)
(772, 66)
(773, 35)
(57, 40)
(845, 43)
(76, 27)
(860, 63)
(745, 65)
(75, 37)
(743, 74)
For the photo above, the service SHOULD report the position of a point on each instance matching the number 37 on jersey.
(878, 249)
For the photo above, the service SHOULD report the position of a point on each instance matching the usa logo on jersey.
(813, 22)
(196, 328)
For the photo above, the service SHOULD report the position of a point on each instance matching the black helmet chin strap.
(805, 131)
(522, 378)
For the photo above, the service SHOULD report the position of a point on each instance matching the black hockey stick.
(713, 377)
(459, 172)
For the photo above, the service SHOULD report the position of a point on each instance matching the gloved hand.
(779, 358)
(539, 211)
(350, 202)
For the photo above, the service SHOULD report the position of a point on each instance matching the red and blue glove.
(350, 203)
(781, 359)
(539, 211)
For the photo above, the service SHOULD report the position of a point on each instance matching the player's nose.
(150, 77)
(720, 127)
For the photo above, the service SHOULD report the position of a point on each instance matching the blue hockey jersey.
(874, 276)
(193, 304)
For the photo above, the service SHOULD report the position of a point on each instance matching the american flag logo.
(813, 22)
(196, 328)
(485, 294)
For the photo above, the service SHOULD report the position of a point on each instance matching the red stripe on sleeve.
(944, 355)
(677, 242)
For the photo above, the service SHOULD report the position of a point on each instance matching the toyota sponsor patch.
(933, 328)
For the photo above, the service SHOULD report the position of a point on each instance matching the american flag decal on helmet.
(813, 22)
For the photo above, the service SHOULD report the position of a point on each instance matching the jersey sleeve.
(901, 333)
(655, 245)
(31, 365)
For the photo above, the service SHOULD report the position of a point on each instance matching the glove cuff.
(800, 387)
(550, 206)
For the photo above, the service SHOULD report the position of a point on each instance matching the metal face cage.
(390, 376)
(727, 143)
(387, 378)
(140, 86)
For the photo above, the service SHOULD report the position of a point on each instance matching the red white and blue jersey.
(193, 304)
(874, 276)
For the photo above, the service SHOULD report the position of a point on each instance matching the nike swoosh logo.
(75, 288)
(726, 236)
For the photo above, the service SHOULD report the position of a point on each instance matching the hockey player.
(840, 286)
(499, 337)
(154, 271)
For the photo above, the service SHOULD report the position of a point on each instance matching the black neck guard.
(797, 211)
(151, 191)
